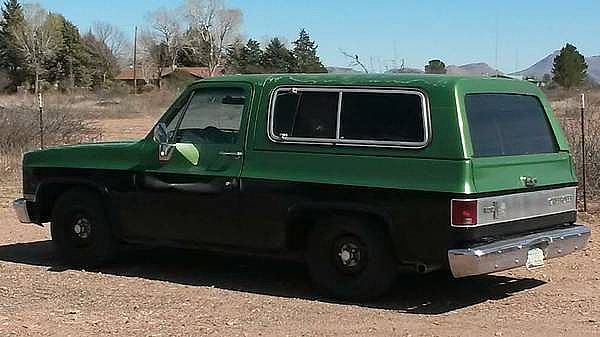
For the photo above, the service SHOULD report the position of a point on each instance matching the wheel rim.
(81, 229)
(350, 255)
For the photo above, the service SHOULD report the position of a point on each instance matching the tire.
(351, 259)
(80, 229)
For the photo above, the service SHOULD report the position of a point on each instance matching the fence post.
(41, 106)
(583, 154)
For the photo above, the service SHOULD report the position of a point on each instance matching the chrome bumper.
(512, 253)
(20, 207)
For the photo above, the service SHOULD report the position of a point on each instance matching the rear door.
(514, 144)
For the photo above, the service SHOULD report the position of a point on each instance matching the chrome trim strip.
(20, 208)
(512, 253)
(520, 206)
(350, 142)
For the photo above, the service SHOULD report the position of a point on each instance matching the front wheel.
(350, 258)
(80, 230)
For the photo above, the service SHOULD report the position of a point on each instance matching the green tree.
(570, 68)
(435, 67)
(244, 59)
(11, 60)
(306, 59)
(277, 58)
(69, 65)
(253, 56)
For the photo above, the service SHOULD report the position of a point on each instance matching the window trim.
(338, 140)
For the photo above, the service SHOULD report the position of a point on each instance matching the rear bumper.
(512, 253)
(20, 207)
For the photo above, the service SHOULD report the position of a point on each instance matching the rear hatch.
(521, 166)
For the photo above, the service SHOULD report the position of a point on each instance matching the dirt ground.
(169, 292)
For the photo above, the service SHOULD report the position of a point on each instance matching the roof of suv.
(408, 80)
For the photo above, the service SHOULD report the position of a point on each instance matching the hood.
(105, 155)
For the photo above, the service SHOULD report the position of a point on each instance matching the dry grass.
(68, 119)
(568, 112)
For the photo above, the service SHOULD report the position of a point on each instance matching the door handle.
(235, 155)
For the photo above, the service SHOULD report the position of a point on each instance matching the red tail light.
(464, 212)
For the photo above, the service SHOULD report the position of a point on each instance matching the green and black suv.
(362, 176)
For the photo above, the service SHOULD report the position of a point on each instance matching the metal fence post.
(41, 106)
(583, 154)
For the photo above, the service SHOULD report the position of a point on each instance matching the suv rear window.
(508, 125)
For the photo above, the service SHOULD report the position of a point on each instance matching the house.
(147, 75)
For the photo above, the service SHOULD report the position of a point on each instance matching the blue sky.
(458, 31)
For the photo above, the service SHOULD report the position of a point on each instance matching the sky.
(385, 32)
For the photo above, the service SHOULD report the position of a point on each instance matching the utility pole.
(135, 62)
(583, 154)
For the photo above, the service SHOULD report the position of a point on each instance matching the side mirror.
(161, 137)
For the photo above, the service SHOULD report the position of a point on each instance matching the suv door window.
(212, 116)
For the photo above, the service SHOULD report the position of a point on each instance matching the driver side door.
(192, 197)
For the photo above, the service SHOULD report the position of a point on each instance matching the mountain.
(544, 66)
(540, 68)
(472, 69)
(404, 71)
(342, 70)
(593, 63)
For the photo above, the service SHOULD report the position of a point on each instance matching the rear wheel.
(80, 229)
(350, 259)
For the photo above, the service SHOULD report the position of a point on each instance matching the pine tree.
(234, 58)
(68, 66)
(11, 61)
(253, 55)
(305, 55)
(277, 58)
(570, 68)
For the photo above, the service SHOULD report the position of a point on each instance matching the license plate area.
(535, 258)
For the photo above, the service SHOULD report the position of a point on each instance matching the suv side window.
(375, 117)
(306, 114)
(382, 117)
(212, 116)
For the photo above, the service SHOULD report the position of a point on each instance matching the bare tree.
(355, 60)
(213, 27)
(111, 46)
(36, 39)
(112, 37)
(153, 57)
(167, 25)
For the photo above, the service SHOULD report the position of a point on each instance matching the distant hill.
(472, 69)
(405, 71)
(544, 66)
(342, 70)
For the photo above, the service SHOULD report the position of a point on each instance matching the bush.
(21, 133)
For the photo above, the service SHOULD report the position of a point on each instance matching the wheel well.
(49, 193)
(301, 222)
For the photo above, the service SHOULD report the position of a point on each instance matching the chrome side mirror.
(161, 137)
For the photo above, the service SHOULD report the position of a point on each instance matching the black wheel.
(350, 258)
(80, 229)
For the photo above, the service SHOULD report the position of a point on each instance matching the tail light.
(464, 212)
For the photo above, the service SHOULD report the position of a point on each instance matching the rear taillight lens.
(464, 212)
